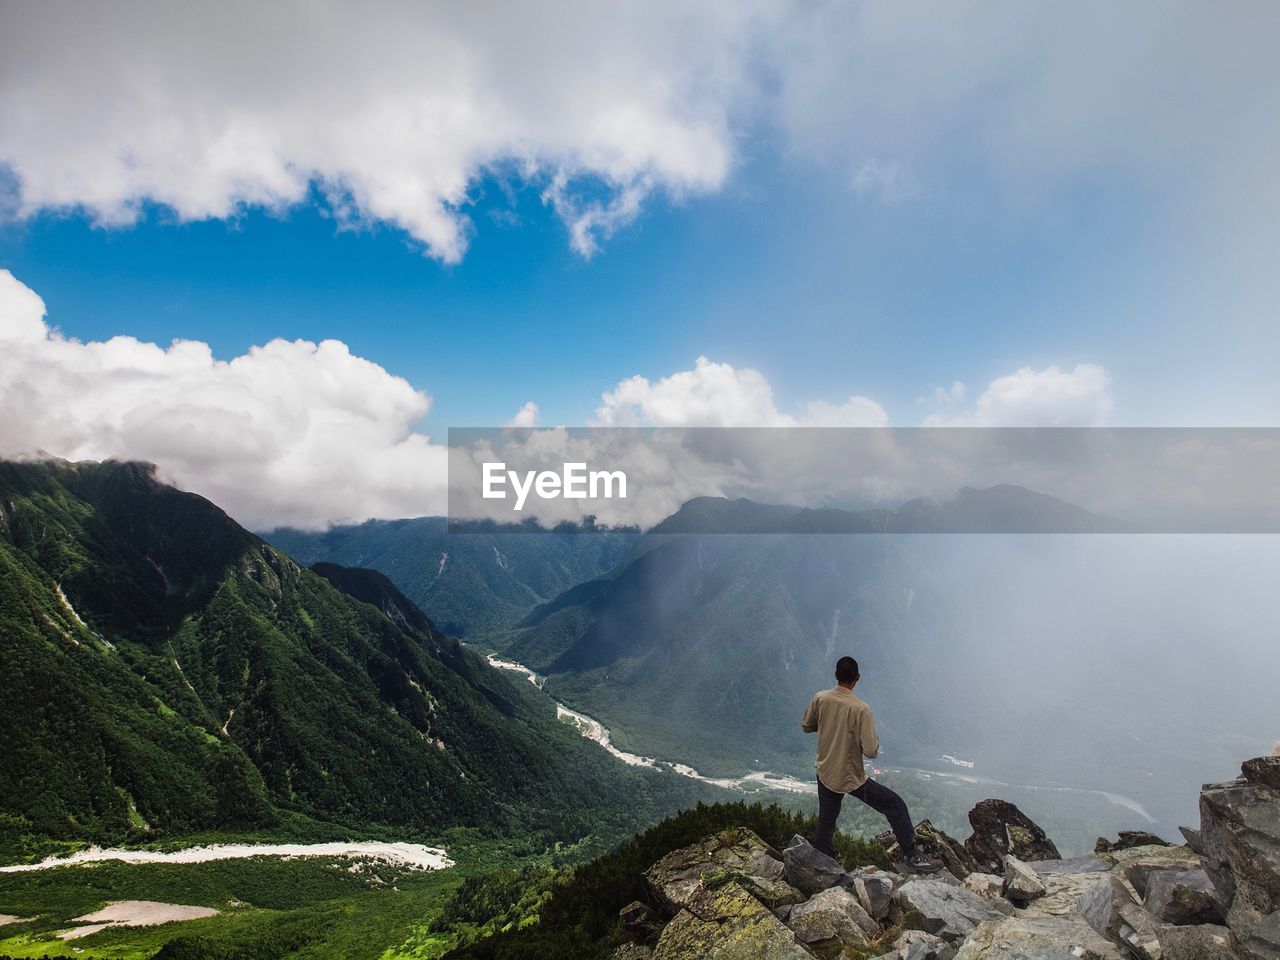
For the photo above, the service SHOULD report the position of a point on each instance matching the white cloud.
(394, 110)
(526, 416)
(718, 395)
(1051, 397)
(289, 433)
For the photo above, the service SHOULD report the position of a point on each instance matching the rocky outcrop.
(955, 858)
(1127, 839)
(731, 896)
(1240, 833)
(1000, 829)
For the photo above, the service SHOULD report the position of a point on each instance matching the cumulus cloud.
(294, 433)
(526, 416)
(393, 112)
(1051, 397)
(719, 395)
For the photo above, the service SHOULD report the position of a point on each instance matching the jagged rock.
(935, 844)
(1264, 942)
(918, 945)
(1041, 938)
(827, 929)
(1140, 932)
(677, 877)
(874, 889)
(1136, 864)
(631, 951)
(1182, 897)
(1020, 881)
(1240, 827)
(1263, 771)
(809, 869)
(639, 919)
(1203, 942)
(1000, 828)
(1095, 897)
(1127, 839)
(727, 923)
(838, 900)
(1193, 838)
(985, 885)
(949, 910)
(772, 893)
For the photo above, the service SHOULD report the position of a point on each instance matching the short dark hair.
(847, 670)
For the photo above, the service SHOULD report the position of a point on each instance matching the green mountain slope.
(473, 584)
(167, 671)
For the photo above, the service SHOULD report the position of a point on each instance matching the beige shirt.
(846, 733)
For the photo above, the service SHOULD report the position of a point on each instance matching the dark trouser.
(876, 796)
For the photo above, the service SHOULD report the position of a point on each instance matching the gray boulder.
(937, 844)
(1204, 942)
(827, 932)
(810, 870)
(639, 919)
(1020, 881)
(948, 910)
(1041, 938)
(1264, 942)
(727, 923)
(1263, 771)
(874, 889)
(1001, 829)
(1127, 839)
(1182, 897)
(840, 901)
(774, 894)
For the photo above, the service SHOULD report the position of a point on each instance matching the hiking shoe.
(921, 862)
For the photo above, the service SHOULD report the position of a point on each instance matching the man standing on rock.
(847, 733)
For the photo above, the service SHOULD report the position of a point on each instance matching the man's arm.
(870, 742)
(809, 722)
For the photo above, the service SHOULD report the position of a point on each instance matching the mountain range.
(168, 672)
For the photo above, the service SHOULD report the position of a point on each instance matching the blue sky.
(1072, 212)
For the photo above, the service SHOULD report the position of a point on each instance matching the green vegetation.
(168, 674)
(573, 912)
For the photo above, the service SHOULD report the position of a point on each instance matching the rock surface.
(1197, 943)
(935, 844)
(1095, 898)
(1042, 938)
(727, 923)
(841, 901)
(985, 885)
(1136, 864)
(949, 910)
(1182, 897)
(677, 877)
(918, 945)
(1000, 829)
(1240, 831)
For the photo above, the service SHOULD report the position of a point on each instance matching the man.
(847, 733)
